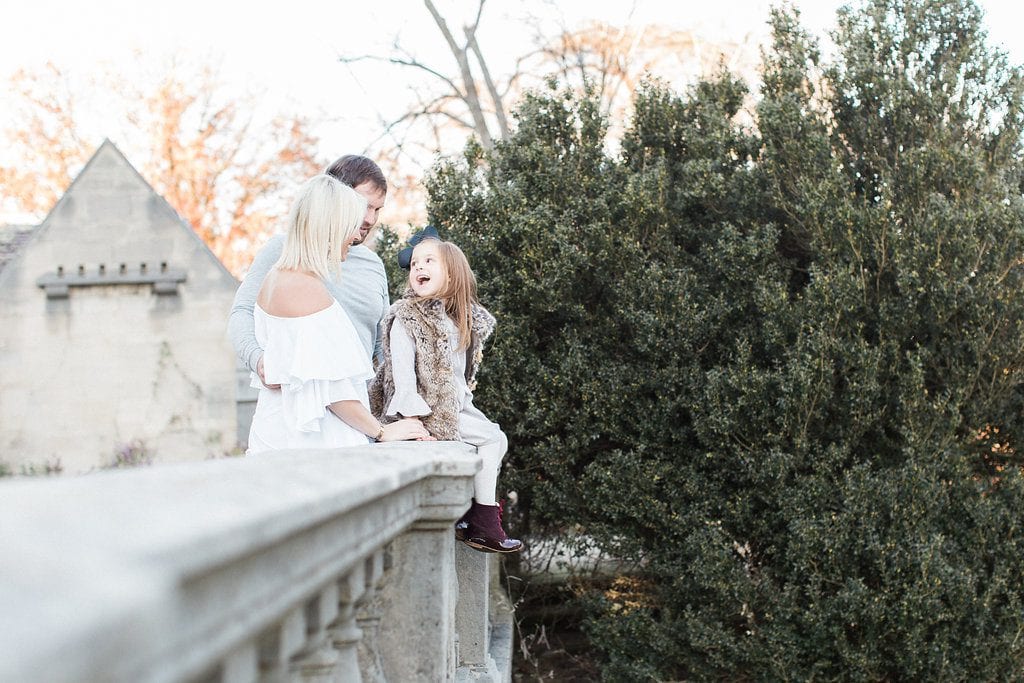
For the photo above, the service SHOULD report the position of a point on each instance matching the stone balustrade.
(293, 566)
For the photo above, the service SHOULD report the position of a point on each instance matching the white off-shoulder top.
(317, 359)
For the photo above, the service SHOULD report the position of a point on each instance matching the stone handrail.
(298, 565)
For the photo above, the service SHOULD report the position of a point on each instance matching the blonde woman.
(311, 348)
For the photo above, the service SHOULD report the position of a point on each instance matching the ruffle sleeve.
(407, 404)
(317, 359)
(406, 401)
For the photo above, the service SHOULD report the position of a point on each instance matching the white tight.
(485, 482)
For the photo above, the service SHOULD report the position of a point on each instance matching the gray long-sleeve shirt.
(362, 290)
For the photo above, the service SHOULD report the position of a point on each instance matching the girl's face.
(427, 274)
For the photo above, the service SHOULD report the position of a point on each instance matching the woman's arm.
(355, 415)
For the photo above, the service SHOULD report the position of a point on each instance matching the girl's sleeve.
(406, 402)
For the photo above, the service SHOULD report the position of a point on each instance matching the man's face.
(374, 203)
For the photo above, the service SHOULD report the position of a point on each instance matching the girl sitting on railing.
(433, 341)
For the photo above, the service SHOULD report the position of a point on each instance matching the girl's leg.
(480, 527)
(485, 483)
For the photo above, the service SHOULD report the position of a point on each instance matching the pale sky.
(288, 50)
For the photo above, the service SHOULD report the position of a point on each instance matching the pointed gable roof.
(107, 191)
(11, 239)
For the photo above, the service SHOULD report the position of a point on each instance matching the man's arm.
(241, 327)
(378, 346)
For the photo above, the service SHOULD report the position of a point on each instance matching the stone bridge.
(293, 566)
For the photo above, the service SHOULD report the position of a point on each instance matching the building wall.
(82, 377)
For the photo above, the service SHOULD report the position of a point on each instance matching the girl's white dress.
(317, 359)
(474, 427)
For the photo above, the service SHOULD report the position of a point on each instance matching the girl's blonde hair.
(459, 292)
(325, 216)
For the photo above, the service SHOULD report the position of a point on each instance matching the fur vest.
(435, 382)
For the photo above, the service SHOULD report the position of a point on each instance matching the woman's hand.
(406, 429)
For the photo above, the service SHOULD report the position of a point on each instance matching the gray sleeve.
(241, 327)
(378, 345)
(403, 358)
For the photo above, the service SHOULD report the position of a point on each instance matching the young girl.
(433, 341)
(311, 349)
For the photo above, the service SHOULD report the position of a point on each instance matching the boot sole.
(485, 549)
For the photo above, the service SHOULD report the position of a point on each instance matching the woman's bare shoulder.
(293, 294)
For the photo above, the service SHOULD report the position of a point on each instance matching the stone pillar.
(471, 610)
(418, 598)
(502, 621)
(420, 590)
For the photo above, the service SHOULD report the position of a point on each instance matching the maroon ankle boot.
(463, 523)
(480, 529)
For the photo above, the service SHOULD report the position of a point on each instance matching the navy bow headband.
(405, 255)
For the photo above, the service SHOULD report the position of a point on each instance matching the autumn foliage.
(225, 172)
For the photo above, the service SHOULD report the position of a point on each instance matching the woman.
(310, 346)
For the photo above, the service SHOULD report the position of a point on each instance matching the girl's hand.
(406, 429)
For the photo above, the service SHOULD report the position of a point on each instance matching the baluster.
(317, 662)
(368, 616)
(277, 646)
(240, 666)
(345, 634)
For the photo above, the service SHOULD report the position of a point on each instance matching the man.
(362, 289)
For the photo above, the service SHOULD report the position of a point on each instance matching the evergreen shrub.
(775, 366)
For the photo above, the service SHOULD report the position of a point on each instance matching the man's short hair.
(354, 170)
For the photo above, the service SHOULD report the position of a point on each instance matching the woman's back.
(313, 351)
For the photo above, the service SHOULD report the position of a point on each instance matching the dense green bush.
(777, 367)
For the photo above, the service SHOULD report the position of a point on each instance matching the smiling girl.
(433, 342)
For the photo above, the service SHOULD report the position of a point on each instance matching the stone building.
(112, 331)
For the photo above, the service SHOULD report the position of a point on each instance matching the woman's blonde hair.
(459, 292)
(325, 216)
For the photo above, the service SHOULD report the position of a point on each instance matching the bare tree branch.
(610, 61)
(471, 96)
(405, 62)
(499, 106)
